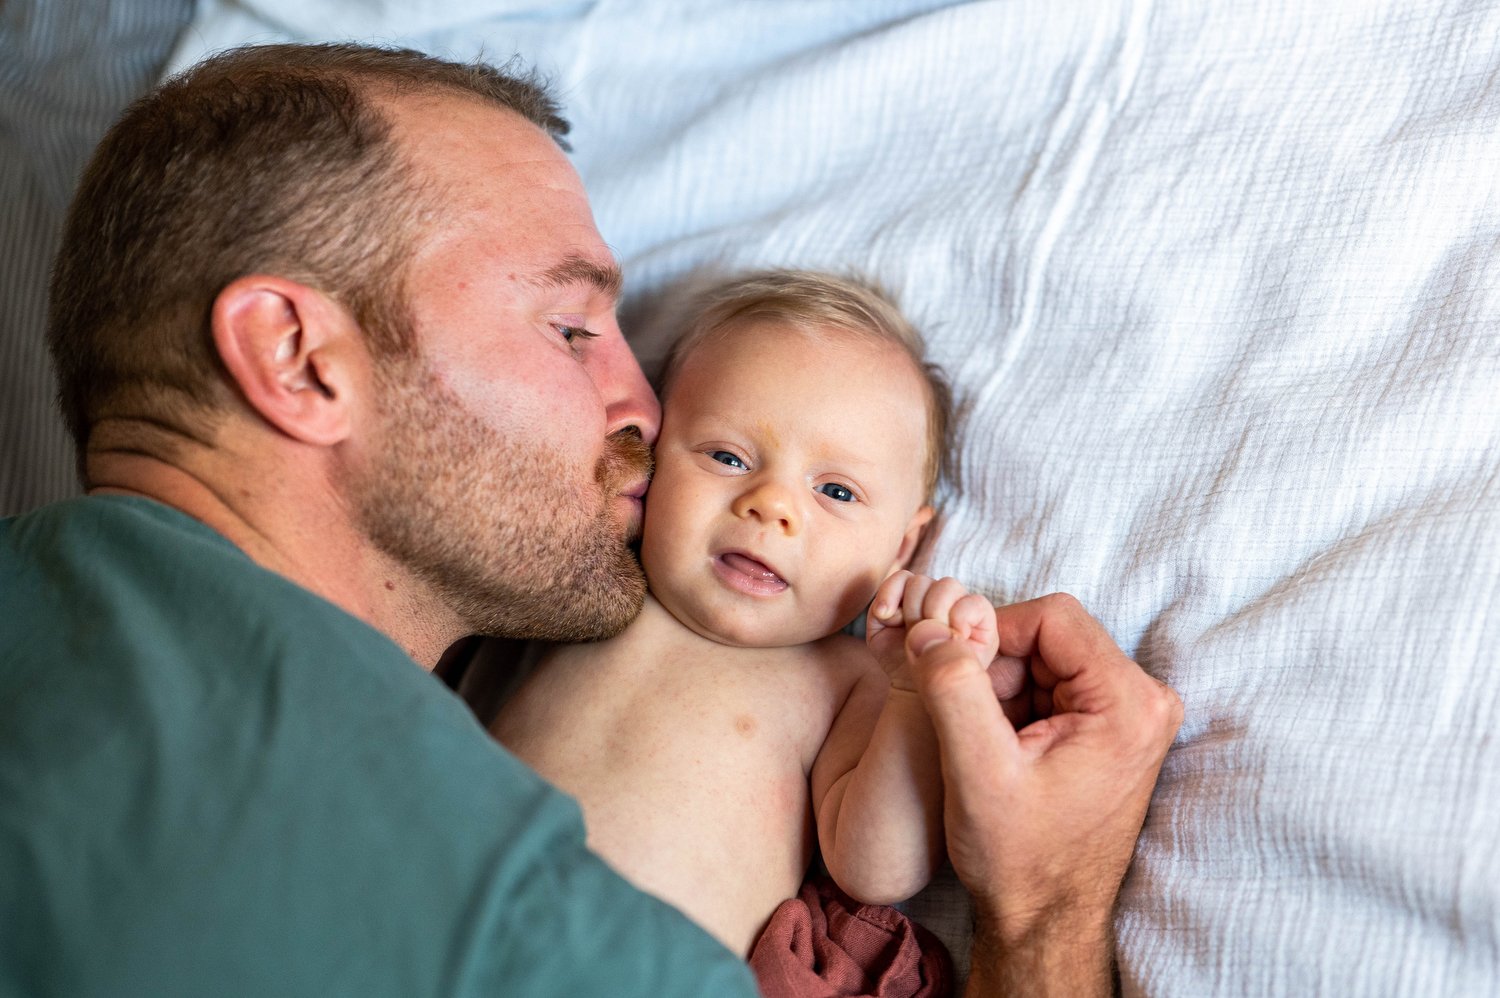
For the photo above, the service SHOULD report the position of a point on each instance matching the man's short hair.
(265, 159)
(809, 300)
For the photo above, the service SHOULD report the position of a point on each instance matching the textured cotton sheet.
(66, 72)
(1218, 285)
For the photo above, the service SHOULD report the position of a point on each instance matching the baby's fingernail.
(882, 610)
(929, 643)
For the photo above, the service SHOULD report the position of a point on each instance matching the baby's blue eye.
(837, 492)
(725, 457)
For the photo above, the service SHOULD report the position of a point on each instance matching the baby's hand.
(906, 598)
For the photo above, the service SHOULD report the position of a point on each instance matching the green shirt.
(215, 782)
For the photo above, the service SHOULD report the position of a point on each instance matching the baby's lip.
(759, 574)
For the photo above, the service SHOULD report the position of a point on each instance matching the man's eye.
(725, 457)
(572, 333)
(837, 492)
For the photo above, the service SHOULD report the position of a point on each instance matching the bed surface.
(1219, 287)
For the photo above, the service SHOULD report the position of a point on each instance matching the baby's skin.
(732, 722)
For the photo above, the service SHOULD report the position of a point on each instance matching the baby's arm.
(877, 785)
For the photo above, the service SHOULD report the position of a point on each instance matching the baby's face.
(789, 483)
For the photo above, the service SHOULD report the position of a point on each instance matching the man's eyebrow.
(607, 280)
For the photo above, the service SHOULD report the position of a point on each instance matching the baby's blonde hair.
(808, 300)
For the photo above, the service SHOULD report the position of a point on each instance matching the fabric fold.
(824, 944)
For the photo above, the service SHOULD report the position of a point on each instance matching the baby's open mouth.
(748, 574)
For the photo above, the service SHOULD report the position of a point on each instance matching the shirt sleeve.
(573, 927)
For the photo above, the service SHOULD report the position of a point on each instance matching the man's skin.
(272, 482)
(1041, 822)
(500, 288)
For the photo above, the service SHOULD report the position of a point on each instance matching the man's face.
(504, 477)
(789, 473)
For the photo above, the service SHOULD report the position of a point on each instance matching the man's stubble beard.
(511, 539)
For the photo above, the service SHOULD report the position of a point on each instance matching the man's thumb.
(972, 730)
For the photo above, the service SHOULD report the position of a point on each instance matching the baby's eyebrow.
(606, 279)
(852, 460)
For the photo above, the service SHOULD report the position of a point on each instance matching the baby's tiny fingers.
(939, 600)
(973, 614)
(886, 607)
(915, 598)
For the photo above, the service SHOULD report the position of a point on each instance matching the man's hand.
(1041, 822)
(905, 599)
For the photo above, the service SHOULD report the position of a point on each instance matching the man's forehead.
(457, 136)
(499, 186)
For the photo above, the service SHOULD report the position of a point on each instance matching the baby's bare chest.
(692, 774)
(711, 723)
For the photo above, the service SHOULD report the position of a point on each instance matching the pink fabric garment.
(824, 944)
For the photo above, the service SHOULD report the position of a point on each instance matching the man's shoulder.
(251, 771)
(169, 655)
(134, 564)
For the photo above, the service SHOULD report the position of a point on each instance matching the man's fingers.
(1007, 677)
(1077, 668)
(972, 731)
(1059, 636)
(1160, 711)
(1040, 735)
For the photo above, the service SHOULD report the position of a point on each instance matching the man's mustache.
(627, 459)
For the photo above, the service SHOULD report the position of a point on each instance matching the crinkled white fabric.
(1219, 285)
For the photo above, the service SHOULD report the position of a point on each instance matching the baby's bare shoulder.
(806, 683)
(847, 656)
(820, 674)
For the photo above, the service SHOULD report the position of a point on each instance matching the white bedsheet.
(1219, 285)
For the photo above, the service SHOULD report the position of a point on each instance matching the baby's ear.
(911, 538)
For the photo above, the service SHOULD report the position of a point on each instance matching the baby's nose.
(770, 502)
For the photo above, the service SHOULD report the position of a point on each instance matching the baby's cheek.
(856, 595)
(658, 539)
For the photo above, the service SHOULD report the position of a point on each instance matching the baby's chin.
(742, 634)
(744, 629)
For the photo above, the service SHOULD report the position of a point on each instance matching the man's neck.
(296, 525)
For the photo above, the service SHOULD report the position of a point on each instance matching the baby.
(800, 445)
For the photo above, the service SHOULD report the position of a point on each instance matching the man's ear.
(293, 352)
(911, 538)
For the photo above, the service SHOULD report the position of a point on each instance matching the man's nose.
(628, 398)
(772, 503)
